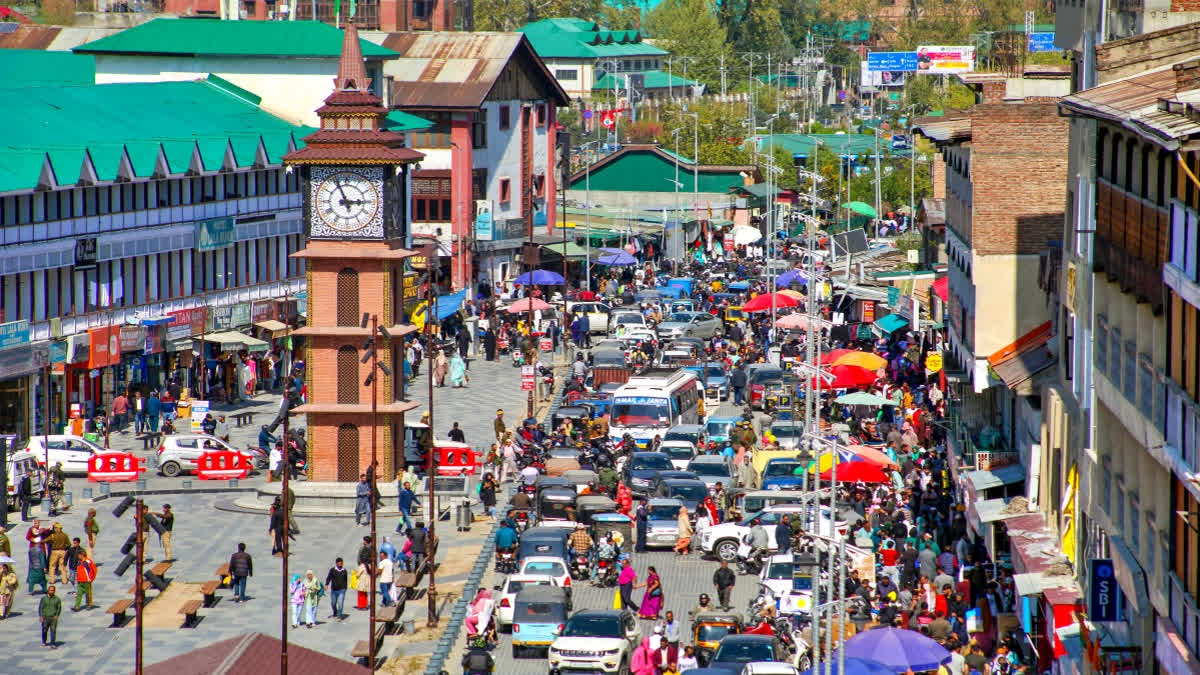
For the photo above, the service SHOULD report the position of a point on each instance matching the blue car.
(641, 467)
(539, 613)
(783, 474)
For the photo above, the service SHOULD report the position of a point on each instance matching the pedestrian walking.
(74, 555)
(456, 434)
(276, 528)
(85, 574)
(652, 599)
(458, 371)
(683, 538)
(241, 566)
(489, 344)
(153, 410)
(5, 544)
(167, 518)
(139, 411)
(641, 517)
(59, 544)
(221, 431)
(336, 581)
(405, 498)
(120, 412)
(362, 584)
(49, 609)
(723, 580)
(385, 569)
(487, 495)
(25, 496)
(362, 501)
(91, 528)
(275, 462)
(296, 599)
(314, 590)
(8, 589)
(499, 426)
(625, 584)
(737, 380)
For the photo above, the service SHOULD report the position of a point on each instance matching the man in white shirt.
(385, 577)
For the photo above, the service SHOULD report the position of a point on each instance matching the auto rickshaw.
(618, 523)
(556, 506)
(559, 466)
(588, 506)
(733, 314)
(579, 414)
(707, 630)
(580, 478)
(545, 482)
(543, 541)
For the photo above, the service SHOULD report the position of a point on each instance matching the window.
(421, 9)
(539, 185)
(479, 129)
(431, 198)
(541, 114)
(347, 297)
(505, 119)
(347, 373)
(566, 74)
(1068, 348)
(505, 190)
(437, 136)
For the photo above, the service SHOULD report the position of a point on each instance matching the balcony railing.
(1135, 275)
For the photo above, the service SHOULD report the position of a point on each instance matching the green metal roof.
(801, 144)
(569, 38)
(655, 79)
(213, 37)
(38, 67)
(70, 125)
(846, 31)
(398, 120)
(640, 169)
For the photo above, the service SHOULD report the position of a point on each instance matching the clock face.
(346, 201)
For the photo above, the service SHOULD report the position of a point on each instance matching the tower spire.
(352, 75)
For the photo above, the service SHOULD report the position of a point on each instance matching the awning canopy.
(1029, 355)
(991, 510)
(232, 341)
(574, 251)
(891, 323)
(272, 325)
(1035, 583)
(1005, 475)
(940, 288)
(156, 320)
(178, 345)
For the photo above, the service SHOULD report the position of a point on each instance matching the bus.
(647, 406)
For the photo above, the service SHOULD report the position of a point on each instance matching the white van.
(19, 465)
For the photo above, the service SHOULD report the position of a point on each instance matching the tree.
(689, 28)
(509, 15)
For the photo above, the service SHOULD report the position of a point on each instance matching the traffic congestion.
(705, 433)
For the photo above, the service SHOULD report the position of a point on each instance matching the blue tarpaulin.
(891, 323)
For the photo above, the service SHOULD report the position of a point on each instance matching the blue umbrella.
(854, 666)
(790, 277)
(540, 278)
(618, 259)
(899, 649)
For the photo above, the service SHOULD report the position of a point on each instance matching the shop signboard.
(484, 230)
(1102, 598)
(241, 314)
(893, 61)
(186, 323)
(154, 342)
(893, 296)
(220, 318)
(1042, 42)
(214, 233)
(23, 360)
(933, 362)
(58, 351)
(262, 310)
(78, 347)
(410, 286)
(86, 253)
(868, 311)
(199, 411)
(14, 334)
(133, 338)
(943, 59)
(106, 346)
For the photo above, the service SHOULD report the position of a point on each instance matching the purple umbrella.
(899, 649)
(853, 667)
(790, 277)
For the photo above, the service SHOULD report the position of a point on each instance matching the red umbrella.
(762, 303)
(858, 472)
(848, 377)
(831, 356)
(522, 305)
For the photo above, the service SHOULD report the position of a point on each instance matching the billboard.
(941, 59)
(892, 61)
(880, 79)
(1042, 42)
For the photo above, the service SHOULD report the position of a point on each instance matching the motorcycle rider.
(506, 537)
(607, 551)
(477, 662)
(758, 541)
(704, 605)
(581, 544)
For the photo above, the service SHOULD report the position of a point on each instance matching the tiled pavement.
(204, 539)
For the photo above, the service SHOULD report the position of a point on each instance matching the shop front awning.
(156, 320)
(178, 345)
(275, 327)
(992, 510)
(890, 324)
(1036, 583)
(232, 341)
(1018, 362)
(574, 251)
(987, 479)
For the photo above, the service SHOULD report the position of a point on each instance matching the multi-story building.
(490, 173)
(388, 15)
(132, 217)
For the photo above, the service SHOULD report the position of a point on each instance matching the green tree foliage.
(928, 94)
(509, 15)
(690, 28)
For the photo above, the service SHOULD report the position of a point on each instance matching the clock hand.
(341, 190)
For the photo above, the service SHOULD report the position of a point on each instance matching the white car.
(722, 540)
(73, 451)
(770, 668)
(178, 453)
(776, 574)
(680, 452)
(548, 566)
(508, 596)
(595, 641)
(627, 319)
(597, 314)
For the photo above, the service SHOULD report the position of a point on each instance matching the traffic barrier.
(457, 461)
(222, 465)
(115, 467)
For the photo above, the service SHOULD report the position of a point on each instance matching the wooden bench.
(387, 616)
(118, 610)
(222, 572)
(189, 610)
(146, 586)
(241, 419)
(362, 650)
(209, 589)
(160, 569)
(150, 440)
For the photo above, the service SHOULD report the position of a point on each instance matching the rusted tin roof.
(29, 37)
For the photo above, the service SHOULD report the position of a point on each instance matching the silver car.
(178, 453)
(690, 324)
(662, 525)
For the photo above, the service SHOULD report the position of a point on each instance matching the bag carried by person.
(353, 578)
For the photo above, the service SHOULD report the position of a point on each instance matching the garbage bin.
(463, 516)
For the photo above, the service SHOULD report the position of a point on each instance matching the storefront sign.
(419, 262)
(87, 253)
(133, 338)
(410, 286)
(214, 233)
(484, 230)
(868, 311)
(241, 314)
(23, 360)
(220, 318)
(14, 334)
(942, 59)
(199, 410)
(262, 310)
(106, 346)
(78, 348)
(1102, 599)
(154, 340)
(58, 352)
(893, 296)
(185, 323)
(933, 362)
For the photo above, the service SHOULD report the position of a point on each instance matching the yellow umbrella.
(862, 360)
(825, 461)
(795, 295)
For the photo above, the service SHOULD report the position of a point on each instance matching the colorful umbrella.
(863, 398)
(793, 321)
(853, 666)
(744, 234)
(825, 461)
(862, 360)
(829, 357)
(790, 277)
(872, 455)
(540, 277)
(848, 377)
(861, 208)
(897, 648)
(858, 472)
(792, 294)
(522, 305)
(616, 259)
(763, 303)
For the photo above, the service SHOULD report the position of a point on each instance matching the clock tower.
(354, 174)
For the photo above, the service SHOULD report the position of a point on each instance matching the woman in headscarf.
(440, 366)
(644, 661)
(363, 585)
(683, 540)
(313, 590)
(8, 589)
(711, 508)
(36, 576)
(481, 608)
(458, 370)
(297, 599)
(652, 599)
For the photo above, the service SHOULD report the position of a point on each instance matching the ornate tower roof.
(352, 120)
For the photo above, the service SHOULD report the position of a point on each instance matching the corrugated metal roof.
(29, 67)
(252, 654)
(579, 39)
(947, 128)
(457, 70)
(29, 37)
(1119, 99)
(309, 39)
